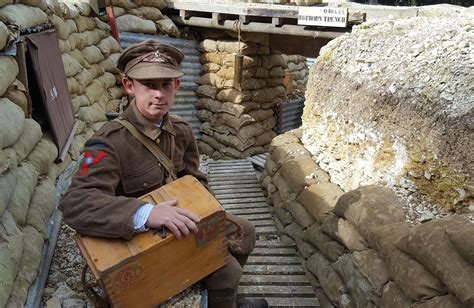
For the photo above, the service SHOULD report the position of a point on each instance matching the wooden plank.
(277, 291)
(272, 244)
(242, 200)
(274, 260)
(229, 206)
(294, 280)
(232, 173)
(217, 186)
(261, 223)
(258, 251)
(254, 217)
(232, 195)
(238, 189)
(265, 230)
(274, 269)
(291, 301)
(277, 21)
(227, 178)
(228, 170)
(249, 211)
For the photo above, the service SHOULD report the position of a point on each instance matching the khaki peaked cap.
(151, 59)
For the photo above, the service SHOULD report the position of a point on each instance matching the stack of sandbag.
(238, 121)
(142, 16)
(89, 56)
(358, 249)
(297, 74)
(27, 196)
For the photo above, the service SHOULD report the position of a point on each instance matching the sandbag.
(373, 268)
(233, 141)
(24, 16)
(107, 80)
(213, 57)
(30, 262)
(230, 120)
(392, 296)
(62, 29)
(26, 178)
(147, 12)
(108, 46)
(301, 215)
(204, 148)
(68, 10)
(319, 199)
(369, 206)
(96, 70)
(210, 68)
(18, 95)
(8, 160)
(430, 245)
(28, 139)
(73, 86)
(7, 188)
(281, 140)
(110, 64)
(447, 301)
(268, 94)
(208, 104)
(71, 66)
(238, 109)
(3, 35)
(84, 78)
(284, 216)
(159, 4)
(265, 138)
(287, 195)
(330, 281)
(344, 232)
(43, 155)
(126, 4)
(8, 71)
(92, 54)
(117, 92)
(231, 152)
(301, 172)
(204, 115)
(92, 114)
(271, 61)
(130, 23)
(412, 277)
(84, 23)
(462, 237)
(270, 166)
(288, 151)
(331, 249)
(12, 120)
(79, 57)
(243, 48)
(41, 206)
(234, 96)
(93, 93)
(206, 91)
(79, 101)
(247, 62)
(11, 249)
(64, 46)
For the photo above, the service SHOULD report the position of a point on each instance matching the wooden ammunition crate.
(149, 269)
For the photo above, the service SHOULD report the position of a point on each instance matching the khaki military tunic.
(117, 168)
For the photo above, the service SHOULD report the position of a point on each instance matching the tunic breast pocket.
(139, 182)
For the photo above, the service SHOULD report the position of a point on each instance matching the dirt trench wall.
(357, 247)
(392, 104)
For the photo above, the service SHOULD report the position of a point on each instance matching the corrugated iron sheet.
(186, 97)
(290, 113)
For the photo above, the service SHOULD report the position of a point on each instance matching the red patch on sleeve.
(90, 160)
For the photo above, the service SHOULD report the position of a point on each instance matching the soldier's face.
(154, 97)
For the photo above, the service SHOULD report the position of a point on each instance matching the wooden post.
(113, 23)
(239, 59)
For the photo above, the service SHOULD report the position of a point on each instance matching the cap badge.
(158, 57)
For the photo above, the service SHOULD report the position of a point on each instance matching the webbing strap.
(151, 146)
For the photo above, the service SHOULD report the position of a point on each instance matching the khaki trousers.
(222, 284)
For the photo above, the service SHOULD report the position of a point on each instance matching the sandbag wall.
(142, 16)
(297, 72)
(357, 247)
(27, 154)
(238, 121)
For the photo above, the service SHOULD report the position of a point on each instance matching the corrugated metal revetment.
(186, 97)
(289, 115)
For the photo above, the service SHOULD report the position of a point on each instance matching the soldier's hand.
(177, 220)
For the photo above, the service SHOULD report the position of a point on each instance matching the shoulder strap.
(151, 146)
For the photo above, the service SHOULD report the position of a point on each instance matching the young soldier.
(117, 168)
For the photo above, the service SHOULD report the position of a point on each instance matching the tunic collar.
(144, 125)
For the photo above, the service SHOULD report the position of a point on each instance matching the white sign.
(322, 16)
